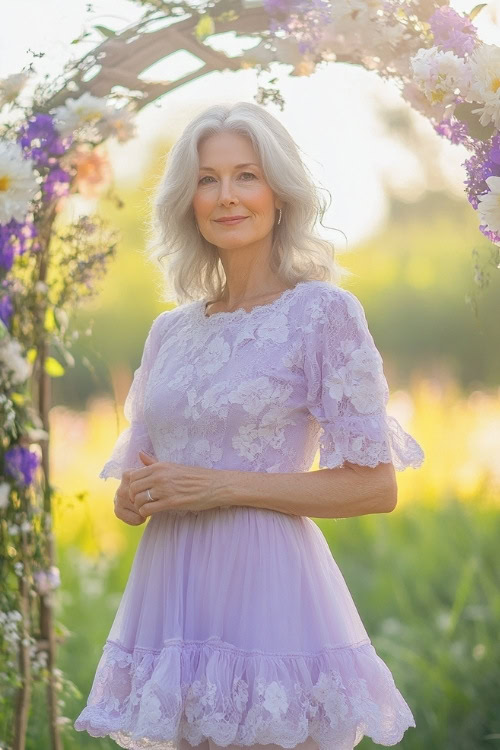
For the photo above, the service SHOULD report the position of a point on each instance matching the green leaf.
(80, 38)
(463, 112)
(477, 9)
(53, 368)
(105, 31)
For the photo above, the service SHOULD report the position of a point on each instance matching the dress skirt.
(237, 628)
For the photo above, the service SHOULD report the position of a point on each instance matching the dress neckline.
(240, 312)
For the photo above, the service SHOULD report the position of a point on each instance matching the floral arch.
(443, 70)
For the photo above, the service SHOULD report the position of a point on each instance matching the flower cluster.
(302, 19)
(445, 71)
(21, 464)
(93, 118)
(45, 158)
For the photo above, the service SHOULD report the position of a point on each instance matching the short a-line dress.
(236, 627)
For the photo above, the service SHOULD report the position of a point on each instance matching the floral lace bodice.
(262, 390)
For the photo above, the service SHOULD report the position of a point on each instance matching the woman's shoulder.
(322, 300)
(171, 321)
(329, 291)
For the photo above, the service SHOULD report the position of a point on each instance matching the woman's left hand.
(172, 486)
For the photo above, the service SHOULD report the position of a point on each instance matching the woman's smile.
(230, 222)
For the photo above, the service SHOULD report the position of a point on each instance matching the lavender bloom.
(481, 165)
(16, 238)
(455, 131)
(302, 19)
(21, 463)
(6, 310)
(40, 140)
(56, 184)
(490, 234)
(452, 31)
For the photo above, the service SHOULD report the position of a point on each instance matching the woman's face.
(231, 183)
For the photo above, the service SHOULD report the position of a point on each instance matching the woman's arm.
(343, 492)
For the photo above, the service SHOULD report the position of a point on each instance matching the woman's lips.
(231, 221)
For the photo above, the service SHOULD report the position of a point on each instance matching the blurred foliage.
(413, 279)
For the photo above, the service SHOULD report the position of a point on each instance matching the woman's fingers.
(125, 509)
(129, 516)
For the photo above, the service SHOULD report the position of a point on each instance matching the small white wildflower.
(11, 358)
(18, 184)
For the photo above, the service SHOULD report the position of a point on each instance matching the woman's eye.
(208, 177)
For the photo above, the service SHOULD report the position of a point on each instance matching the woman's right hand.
(124, 507)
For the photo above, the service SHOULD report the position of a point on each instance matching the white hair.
(194, 268)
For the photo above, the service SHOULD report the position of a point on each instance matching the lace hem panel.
(367, 441)
(198, 691)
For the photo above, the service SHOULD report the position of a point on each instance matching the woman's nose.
(227, 191)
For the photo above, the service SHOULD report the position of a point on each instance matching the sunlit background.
(402, 225)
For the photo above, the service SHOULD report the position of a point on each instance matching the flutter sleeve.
(347, 391)
(135, 437)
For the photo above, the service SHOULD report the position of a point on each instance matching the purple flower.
(481, 165)
(455, 130)
(303, 19)
(56, 183)
(41, 141)
(490, 234)
(16, 238)
(6, 310)
(21, 463)
(452, 31)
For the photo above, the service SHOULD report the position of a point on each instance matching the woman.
(236, 627)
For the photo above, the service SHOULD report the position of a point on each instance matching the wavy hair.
(194, 269)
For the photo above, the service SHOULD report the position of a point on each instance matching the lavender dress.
(236, 626)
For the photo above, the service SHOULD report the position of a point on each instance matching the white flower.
(438, 74)
(42, 583)
(93, 112)
(4, 494)
(483, 85)
(489, 205)
(12, 358)
(11, 87)
(76, 113)
(18, 184)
